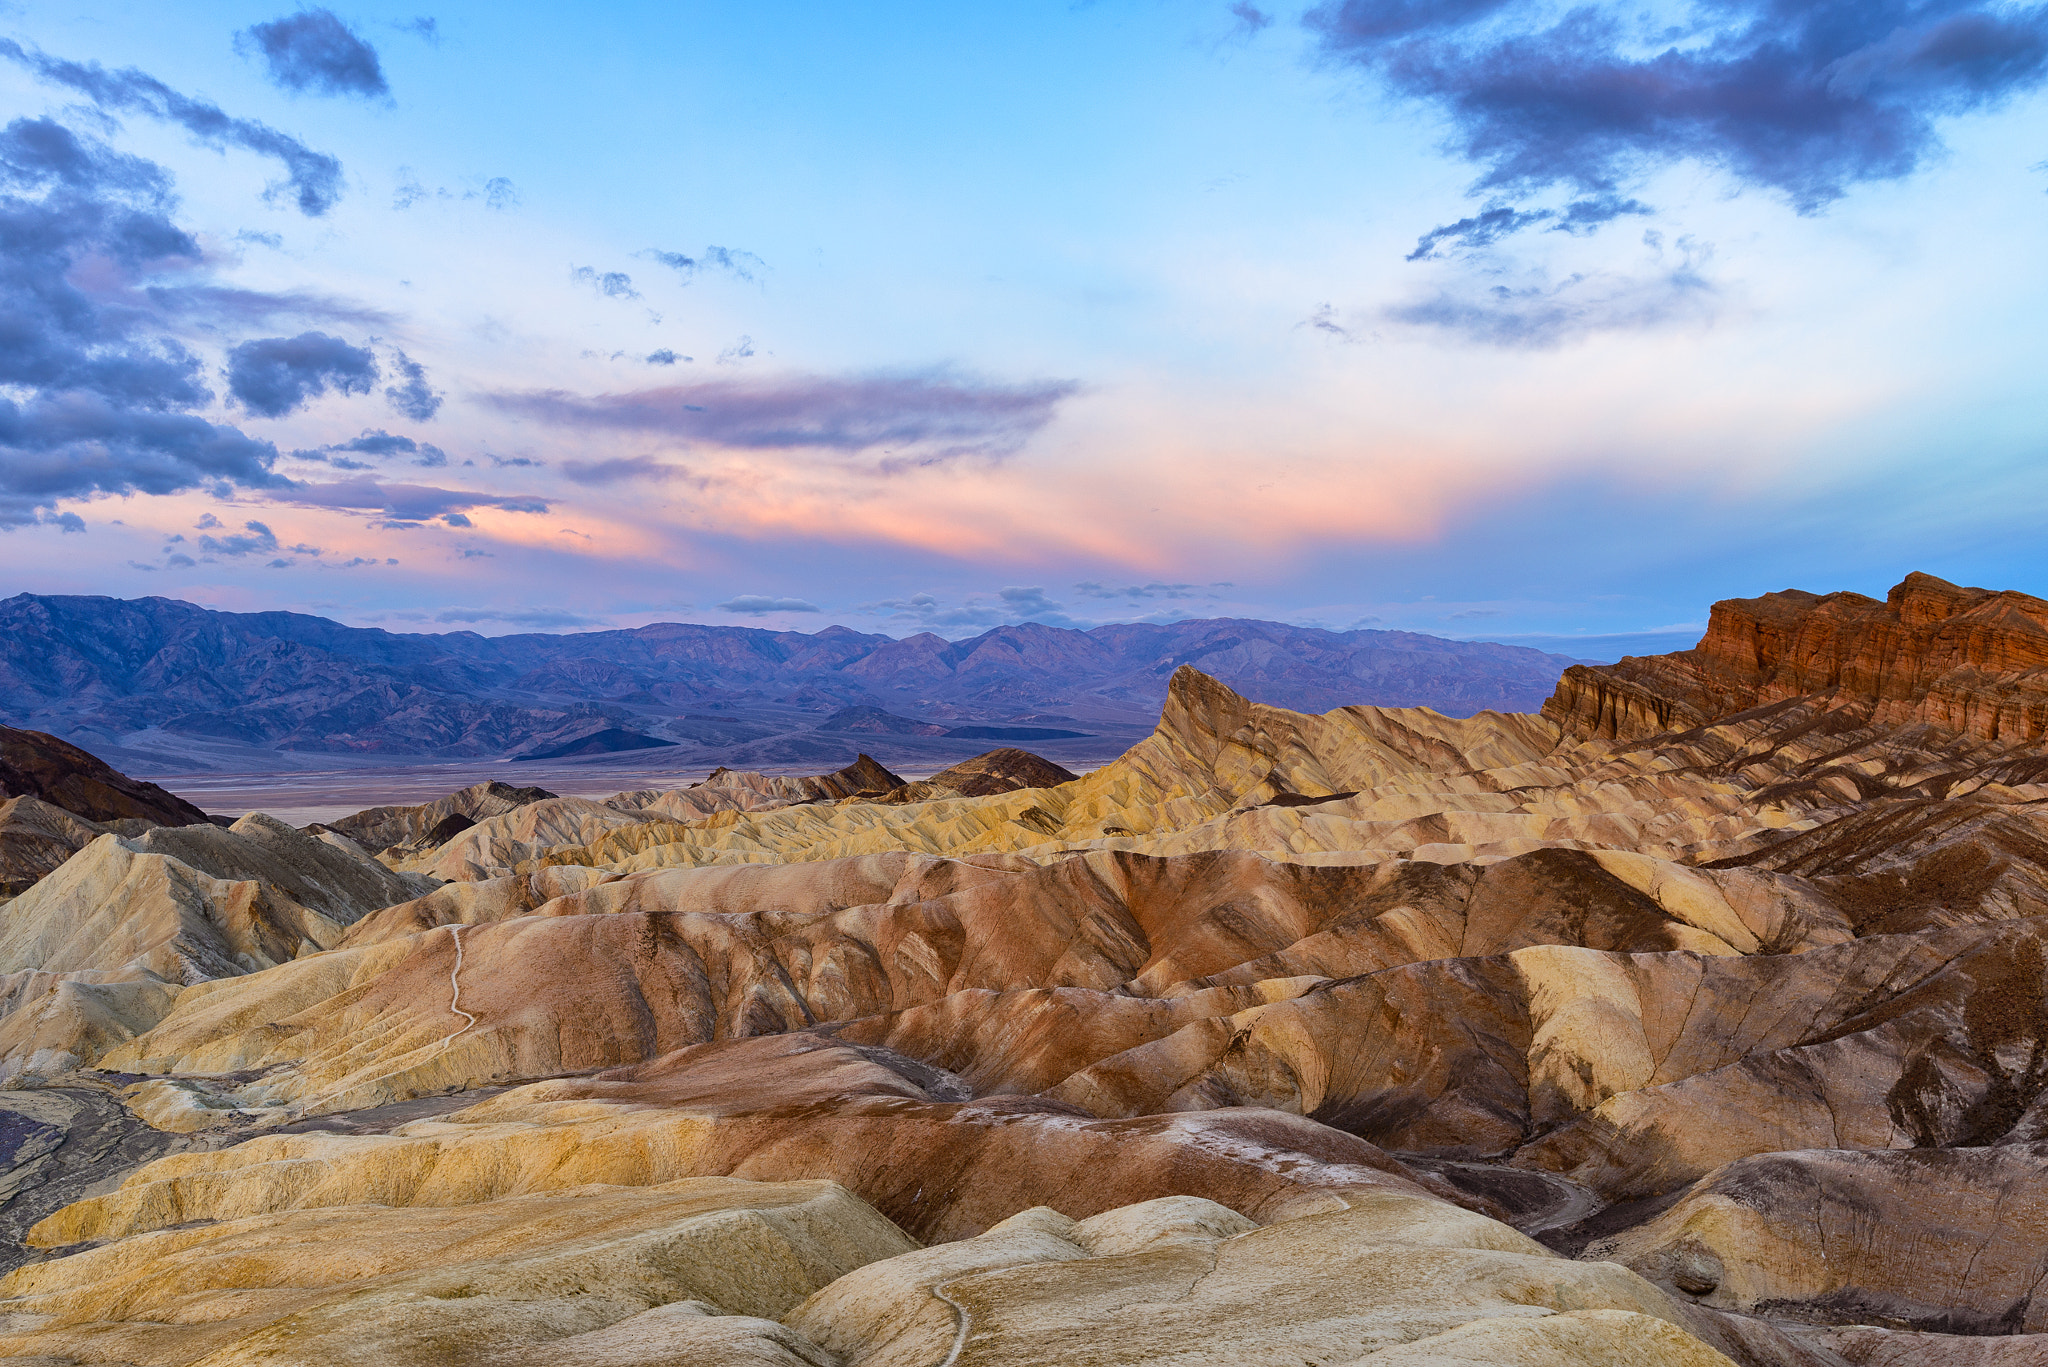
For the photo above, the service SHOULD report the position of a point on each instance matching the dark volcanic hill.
(164, 677)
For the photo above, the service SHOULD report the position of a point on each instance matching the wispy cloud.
(760, 605)
(313, 178)
(917, 418)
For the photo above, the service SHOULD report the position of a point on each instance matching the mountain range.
(168, 686)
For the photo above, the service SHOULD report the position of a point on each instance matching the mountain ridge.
(102, 670)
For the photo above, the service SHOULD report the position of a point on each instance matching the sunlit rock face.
(1701, 1019)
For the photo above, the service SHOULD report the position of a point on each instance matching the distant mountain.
(164, 678)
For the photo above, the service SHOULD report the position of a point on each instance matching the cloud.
(611, 284)
(404, 502)
(1804, 97)
(1250, 18)
(1007, 606)
(253, 539)
(666, 357)
(1324, 319)
(497, 192)
(614, 471)
(1169, 591)
(314, 51)
(274, 376)
(918, 418)
(729, 260)
(525, 617)
(756, 605)
(741, 350)
(221, 307)
(313, 178)
(1541, 314)
(456, 520)
(414, 398)
(380, 444)
(1497, 221)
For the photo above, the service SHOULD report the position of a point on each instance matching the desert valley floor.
(1700, 1018)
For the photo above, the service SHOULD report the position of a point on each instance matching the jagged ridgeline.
(1698, 1018)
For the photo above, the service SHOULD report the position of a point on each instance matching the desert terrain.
(1698, 1017)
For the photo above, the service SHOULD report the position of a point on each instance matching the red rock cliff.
(1967, 660)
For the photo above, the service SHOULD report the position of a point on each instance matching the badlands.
(1701, 1018)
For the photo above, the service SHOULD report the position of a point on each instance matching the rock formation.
(1702, 1019)
(1968, 661)
(43, 767)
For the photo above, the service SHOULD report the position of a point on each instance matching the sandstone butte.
(1702, 1018)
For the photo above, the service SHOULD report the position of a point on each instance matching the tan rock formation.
(35, 839)
(377, 829)
(1946, 1239)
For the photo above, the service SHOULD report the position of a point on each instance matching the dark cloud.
(916, 418)
(80, 370)
(517, 463)
(758, 605)
(666, 357)
(413, 398)
(312, 178)
(274, 376)
(405, 502)
(456, 520)
(253, 539)
(611, 284)
(378, 443)
(729, 260)
(1804, 97)
(314, 51)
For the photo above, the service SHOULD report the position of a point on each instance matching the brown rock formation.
(1964, 660)
(36, 765)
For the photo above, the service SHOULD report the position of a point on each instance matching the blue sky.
(1496, 319)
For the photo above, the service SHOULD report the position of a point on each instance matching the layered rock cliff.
(1964, 660)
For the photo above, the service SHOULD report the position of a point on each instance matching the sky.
(1490, 319)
